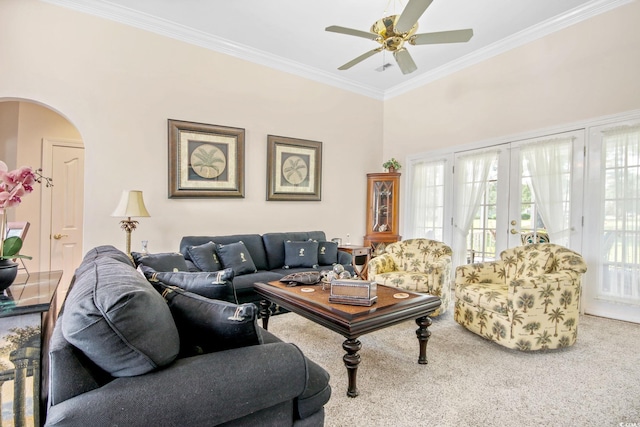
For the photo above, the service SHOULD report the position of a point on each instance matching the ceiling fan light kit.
(392, 32)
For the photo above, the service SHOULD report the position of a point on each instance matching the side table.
(26, 322)
(357, 253)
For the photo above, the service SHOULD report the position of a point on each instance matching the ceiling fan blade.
(455, 36)
(352, 32)
(405, 61)
(359, 59)
(410, 15)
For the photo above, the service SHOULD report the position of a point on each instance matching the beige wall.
(585, 71)
(118, 86)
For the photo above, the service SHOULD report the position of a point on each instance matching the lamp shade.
(131, 204)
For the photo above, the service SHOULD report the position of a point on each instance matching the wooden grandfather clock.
(383, 198)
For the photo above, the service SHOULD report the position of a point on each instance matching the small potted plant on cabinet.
(392, 165)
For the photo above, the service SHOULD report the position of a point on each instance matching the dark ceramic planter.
(8, 273)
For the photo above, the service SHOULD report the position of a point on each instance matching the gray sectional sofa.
(126, 352)
(269, 254)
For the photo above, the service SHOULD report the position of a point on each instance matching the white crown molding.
(107, 10)
(571, 17)
(123, 15)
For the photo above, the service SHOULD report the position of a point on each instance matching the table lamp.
(131, 205)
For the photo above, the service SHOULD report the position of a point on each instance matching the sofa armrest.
(555, 280)
(489, 272)
(381, 264)
(344, 258)
(209, 389)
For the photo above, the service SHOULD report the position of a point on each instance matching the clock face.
(208, 161)
(295, 170)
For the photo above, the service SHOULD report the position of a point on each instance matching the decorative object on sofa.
(294, 169)
(205, 160)
(301, 254)
(131, 205)
(527, 300)
(418, 265)
(214, 285)
(165, 261)
(237, 257)
(291, 390)
(534, 237)
(14, 185)
(392, 165)
(383, 204)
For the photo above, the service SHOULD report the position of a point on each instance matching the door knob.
(60, 236)
(514, 231)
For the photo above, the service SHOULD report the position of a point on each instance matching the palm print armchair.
(527, 300)
(418, 265)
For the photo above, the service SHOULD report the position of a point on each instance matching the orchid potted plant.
(14, 185)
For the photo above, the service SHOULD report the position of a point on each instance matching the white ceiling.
(289, 35)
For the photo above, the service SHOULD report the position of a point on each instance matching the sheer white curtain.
(426, 218)
(471, 173)
(620, 248)
(549, 164)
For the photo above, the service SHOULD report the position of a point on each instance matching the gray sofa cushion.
(169, 261)
(215, 285)
(206, 325)
(253, 242)
(274, 244)
(327, 253)
(237, 257)
(301, 254)
(205, 257)
(116, 318)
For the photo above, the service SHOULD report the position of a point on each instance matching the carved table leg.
(351, 361)
(423, 334)
(264, 313)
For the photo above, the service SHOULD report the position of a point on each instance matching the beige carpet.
(472, 382)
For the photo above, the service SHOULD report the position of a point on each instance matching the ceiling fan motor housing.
(389, 38)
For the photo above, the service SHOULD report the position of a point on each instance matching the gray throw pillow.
(118, 320)
(169, 261)
(327, 253)
(215, 285)
(301, 254)
(207, 325)
(205, 257)
(237, 257)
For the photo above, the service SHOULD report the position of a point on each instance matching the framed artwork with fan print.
(205, 160)
(294, 169)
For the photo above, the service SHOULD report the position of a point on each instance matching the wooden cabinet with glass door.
(383, 199)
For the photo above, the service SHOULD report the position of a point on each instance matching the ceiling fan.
(393, 31)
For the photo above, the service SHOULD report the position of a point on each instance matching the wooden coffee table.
(352, 321)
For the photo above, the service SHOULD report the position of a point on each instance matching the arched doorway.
(35, 135)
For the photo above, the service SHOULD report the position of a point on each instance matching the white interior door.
(65, 209)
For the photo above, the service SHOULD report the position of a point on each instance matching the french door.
(612, 285)
(524, 188)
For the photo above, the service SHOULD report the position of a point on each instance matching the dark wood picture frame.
(205, 160)
(294, 169)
